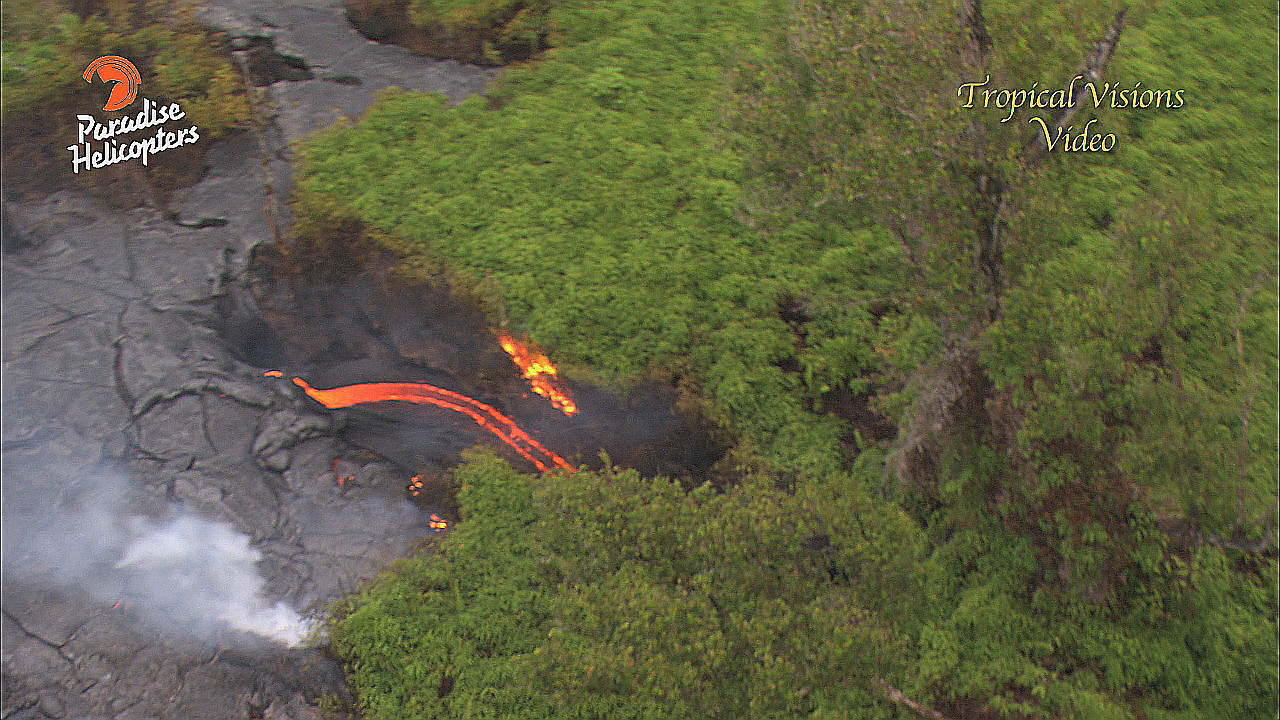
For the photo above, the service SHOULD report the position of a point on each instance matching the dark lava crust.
(372, 326)
(134, 395)
(124, 409)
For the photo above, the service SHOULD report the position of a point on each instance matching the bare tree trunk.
(979, 47)
(896, 696)
(1091, 72)
(993, 190)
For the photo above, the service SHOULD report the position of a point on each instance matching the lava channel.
(488, 418)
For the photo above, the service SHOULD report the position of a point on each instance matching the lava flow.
(540, 373)
(488, 418)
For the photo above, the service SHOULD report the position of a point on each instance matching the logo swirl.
(113, 68)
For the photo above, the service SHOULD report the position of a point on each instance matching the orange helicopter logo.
(115, 69)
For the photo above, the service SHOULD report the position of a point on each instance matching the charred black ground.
(371, 326)
(118, 378)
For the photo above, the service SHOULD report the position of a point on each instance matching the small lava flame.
(540, 373)
(438, 523)
(488, 418)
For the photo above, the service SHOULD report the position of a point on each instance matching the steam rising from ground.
(206, 575)
(185, 574)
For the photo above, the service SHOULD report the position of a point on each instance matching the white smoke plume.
(185, 574)
(208, 574)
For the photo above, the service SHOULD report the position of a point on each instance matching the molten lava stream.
(488, 418)
(540, 373)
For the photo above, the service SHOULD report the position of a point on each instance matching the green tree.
(1087, 342)
(452, 634)
(597, 595)
(751, 603)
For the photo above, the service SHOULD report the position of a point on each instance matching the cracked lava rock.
(142, 458)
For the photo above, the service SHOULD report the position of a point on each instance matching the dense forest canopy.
(1077, 516)
(788, 209)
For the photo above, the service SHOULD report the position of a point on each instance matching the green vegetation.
(43, 59)
(610, 595)
(47, 47)
(598, 203)
(470, 619)
(487, 32)
(1077, 517)
(514, 22)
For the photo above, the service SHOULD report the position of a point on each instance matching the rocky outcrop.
(508, 34)
(283, 42)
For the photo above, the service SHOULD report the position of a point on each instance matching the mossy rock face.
(488, 34)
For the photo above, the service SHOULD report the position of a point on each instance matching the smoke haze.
(179, 572)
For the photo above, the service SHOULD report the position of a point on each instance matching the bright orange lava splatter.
(540, 373)
(490, 419)
(438, 523)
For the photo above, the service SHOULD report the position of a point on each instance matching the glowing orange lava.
(438, 523)
(488, 418)
(540, 373)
